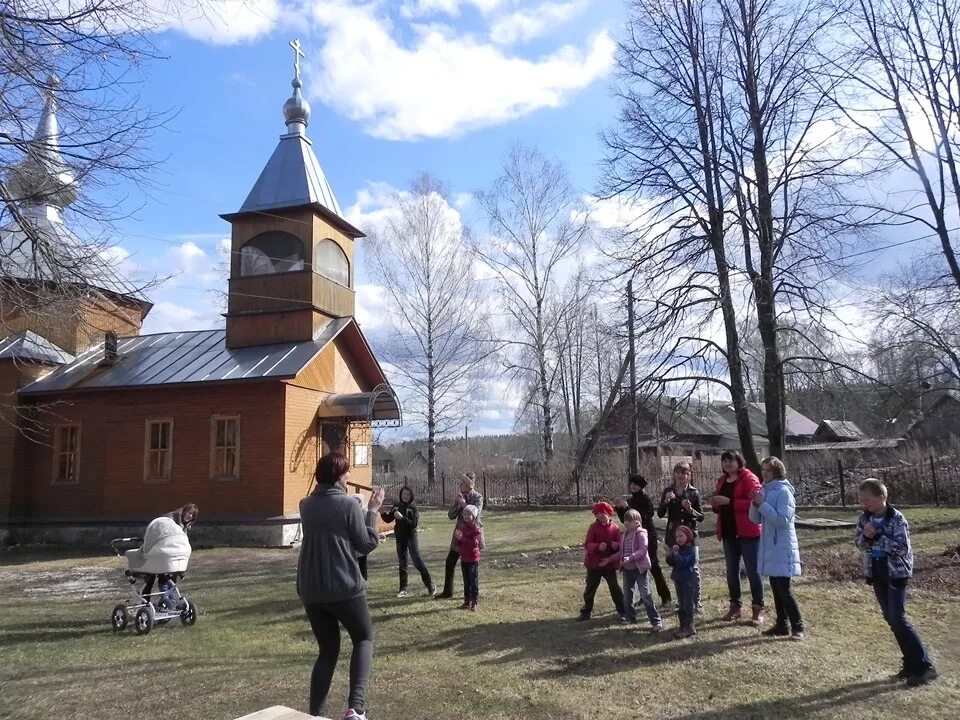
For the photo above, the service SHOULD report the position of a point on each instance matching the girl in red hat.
(601, 544)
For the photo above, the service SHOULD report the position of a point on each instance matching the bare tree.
(917, 315)
(788, 173)
(440, 339)
(904, 93)
(536, 222)
(71, 127)
(666, 159)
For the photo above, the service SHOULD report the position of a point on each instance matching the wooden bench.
(279, 712)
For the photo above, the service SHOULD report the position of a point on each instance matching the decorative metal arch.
(379, 407)
(385, 391)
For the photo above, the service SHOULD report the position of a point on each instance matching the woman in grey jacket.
(329, 583)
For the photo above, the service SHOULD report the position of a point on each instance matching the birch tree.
(440, 338)
(536, 223)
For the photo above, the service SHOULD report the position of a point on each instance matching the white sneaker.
(432, 591)
(402, 593)
(354, 715)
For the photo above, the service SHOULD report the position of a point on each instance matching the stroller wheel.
(143, 621)
(188, 616)
(119, 618)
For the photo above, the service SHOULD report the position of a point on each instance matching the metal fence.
(933, 481)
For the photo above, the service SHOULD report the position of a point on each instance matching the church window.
(66, 454)
(225, 447)
(271, 253)
(331, 262)
(158, 458)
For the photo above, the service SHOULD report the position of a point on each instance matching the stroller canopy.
(165, 550)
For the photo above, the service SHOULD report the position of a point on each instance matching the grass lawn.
(520, 656)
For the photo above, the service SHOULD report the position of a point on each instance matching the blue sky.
(396, 88)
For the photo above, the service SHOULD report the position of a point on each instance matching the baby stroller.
(161, 555)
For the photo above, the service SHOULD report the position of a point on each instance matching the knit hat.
(472, 509)
(639, 480)
(602, 507)
(684, 530)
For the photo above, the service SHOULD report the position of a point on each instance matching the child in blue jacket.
(883, 536)
(682, 557)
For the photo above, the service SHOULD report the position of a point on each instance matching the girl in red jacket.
(469, 540)
(600, 546)
(740, 535)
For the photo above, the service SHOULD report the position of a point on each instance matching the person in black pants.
(406, 516)
(466, 496)
(333, 592)
(640, 501)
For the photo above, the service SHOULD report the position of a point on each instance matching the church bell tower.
(292, 252)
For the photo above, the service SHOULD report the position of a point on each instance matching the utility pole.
(634, 439)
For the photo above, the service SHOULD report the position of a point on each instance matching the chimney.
(110, 352)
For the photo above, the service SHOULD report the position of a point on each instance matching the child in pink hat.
(600, 547)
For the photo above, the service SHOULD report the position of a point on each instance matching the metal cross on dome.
(297, 48)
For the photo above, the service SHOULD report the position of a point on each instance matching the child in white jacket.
(633, 559)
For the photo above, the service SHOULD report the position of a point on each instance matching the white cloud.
(223, 22)
(441, 84)
(524, 25)
(426, 8)
(167, 316)
(370, 307)
(194, 267)
(373, 206)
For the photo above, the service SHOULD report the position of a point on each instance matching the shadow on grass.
(800, 706)
(568, 647)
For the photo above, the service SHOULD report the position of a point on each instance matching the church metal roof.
(184, 357)
(292, 177)
(27, 345)
(62, 258)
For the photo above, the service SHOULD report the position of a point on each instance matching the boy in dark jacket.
(680, 504)
(640, 501)
(883, 536)
(683, 559)
(600, 547)
(406, 516)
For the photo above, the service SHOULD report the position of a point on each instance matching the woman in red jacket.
(739, 535)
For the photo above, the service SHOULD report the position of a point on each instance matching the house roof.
(867, 444)
(184, 357)
(27, 345)
(931, 411)
(719, 418)
(842, 429)
(798, 424)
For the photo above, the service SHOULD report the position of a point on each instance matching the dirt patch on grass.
(80, 582)
(562, 557)
(938, 573)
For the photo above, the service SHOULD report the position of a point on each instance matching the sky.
(396, 88)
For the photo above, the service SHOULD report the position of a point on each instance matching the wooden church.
(102, 427)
